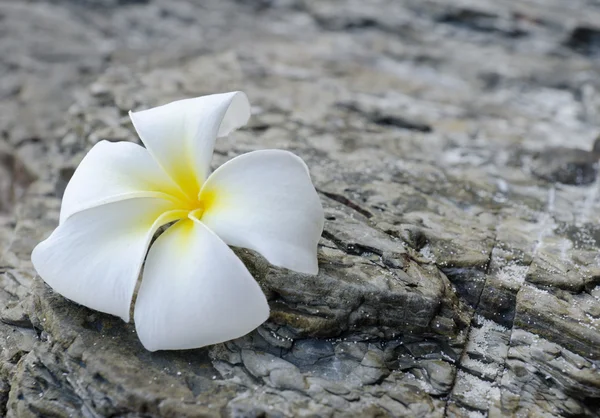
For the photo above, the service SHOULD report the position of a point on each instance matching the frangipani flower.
(194, 290)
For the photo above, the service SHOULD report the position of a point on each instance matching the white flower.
(194, 290)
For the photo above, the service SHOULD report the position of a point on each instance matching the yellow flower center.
(196, 208)
(197, 213)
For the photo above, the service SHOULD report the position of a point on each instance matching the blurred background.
(432, 49)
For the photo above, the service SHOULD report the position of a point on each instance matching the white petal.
(113, 171)
(181, 135)
(195, 292)
(265, 201)
(94, 257)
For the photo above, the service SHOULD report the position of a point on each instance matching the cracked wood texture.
(452, 144)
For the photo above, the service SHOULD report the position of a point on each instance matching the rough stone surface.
(452, 144)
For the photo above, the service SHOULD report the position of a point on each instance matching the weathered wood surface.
(452, 143)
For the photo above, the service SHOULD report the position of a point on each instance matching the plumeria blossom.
(194, 290)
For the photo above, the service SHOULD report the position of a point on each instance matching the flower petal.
(195, 292)
(113, 171)
(94, 257)
(265, 201)
(181, 135)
